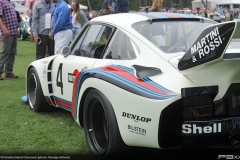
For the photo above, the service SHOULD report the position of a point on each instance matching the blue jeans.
(75, 32)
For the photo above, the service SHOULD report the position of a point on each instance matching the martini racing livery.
(156, 80)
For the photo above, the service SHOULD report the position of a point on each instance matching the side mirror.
(66, 51)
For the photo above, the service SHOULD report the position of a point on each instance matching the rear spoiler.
(210, 45)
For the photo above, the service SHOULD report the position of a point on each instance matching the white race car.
(156, 80)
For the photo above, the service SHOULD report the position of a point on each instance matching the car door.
(81, 58)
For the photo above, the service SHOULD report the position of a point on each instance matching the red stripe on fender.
(77, 74)
(47, 100)
(63, 103)
(169, 15)
(132, 78)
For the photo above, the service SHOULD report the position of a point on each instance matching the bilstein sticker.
(137, 130)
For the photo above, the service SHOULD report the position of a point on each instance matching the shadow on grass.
(194, 153)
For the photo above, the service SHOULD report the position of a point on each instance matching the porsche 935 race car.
(156, 80)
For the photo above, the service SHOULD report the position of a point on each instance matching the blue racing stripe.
(158, 15)
(63, 100)
(184, 15)
(154, 84)
(132, 84)
(147, 80)
(129, 70)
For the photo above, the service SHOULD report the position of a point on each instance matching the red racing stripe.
(133, 79)
(47, 100)
(63, 103)
(77, 74)
(169, 15)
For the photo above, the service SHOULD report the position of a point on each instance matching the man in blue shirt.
(62, 25)
(115, 6)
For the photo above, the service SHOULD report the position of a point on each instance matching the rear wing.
(210, 45)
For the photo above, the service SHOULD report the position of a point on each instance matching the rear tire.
(35, 95)
(100, 127)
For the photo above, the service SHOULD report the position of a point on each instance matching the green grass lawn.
(23, 132)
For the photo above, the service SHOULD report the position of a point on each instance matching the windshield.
(172, 36)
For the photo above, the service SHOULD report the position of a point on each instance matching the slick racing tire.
(35, 95)
(100, 127)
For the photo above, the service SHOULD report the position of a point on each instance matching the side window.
(100, 42)
(88, 42)
(121, 47)
(93, 41)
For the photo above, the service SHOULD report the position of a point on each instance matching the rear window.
(172, 36)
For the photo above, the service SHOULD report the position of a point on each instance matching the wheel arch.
(81, 105)
(43, 68)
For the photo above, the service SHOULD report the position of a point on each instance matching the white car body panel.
(72, 64)
(125, 104)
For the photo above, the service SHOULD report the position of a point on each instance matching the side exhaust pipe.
(234, 142)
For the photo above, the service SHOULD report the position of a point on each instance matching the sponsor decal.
(71, 77)
(233, 124)
(137, 130)
(136, 118)
(207, 44)
(210, 45)
(194, 129)
(236, 123)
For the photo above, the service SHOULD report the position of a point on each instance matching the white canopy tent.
(83, 7)
(20, 8)
(210, 3)
(231, 3)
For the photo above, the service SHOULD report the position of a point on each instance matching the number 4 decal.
(59, 83)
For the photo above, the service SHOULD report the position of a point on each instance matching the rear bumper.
(198, 120)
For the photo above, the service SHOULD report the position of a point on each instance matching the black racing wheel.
(100, 126)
